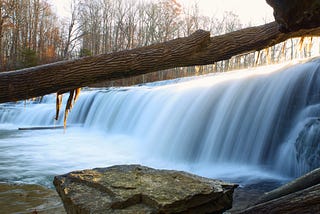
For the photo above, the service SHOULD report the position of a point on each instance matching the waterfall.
(265, 117)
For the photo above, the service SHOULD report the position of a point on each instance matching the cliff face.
(293, 15)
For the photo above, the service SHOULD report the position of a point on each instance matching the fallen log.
(301, 195)
(303, 201)
(197, 49)
(40, 128)
(310, 179)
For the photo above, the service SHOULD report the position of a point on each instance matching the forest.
(32, 33)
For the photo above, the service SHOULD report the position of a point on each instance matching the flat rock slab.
(139, 189)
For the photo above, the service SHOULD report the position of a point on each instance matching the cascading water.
(262, 120)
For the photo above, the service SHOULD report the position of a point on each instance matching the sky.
(254, 11)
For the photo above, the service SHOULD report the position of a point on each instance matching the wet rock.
(139, 189)
(24, 198)
(308, 147)
(293, 15)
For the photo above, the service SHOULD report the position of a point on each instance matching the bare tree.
(72, 33)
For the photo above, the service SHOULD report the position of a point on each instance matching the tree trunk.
(197, 49)
(40, 128)
(310, 179)
(301, 195)
(304, 201)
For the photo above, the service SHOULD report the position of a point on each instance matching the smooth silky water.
(243, 126)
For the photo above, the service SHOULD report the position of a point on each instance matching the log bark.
(310, 179)
(40, 128)
(301, 195)
(197, 49)
(304, 201)
(295, 14)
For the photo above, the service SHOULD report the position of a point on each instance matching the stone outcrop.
(298, 196)
(139, 189)
(293, 15)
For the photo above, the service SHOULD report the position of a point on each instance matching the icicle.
(73, 96)
(77, 93)
(257, 59)
(58, 105)
(301, 44)
(68, 108)
(309, 46)
(268, 56)
(283, 50)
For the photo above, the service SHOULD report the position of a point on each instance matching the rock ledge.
(139, 189)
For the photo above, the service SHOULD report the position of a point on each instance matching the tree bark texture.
(295, 14)
(197, 49)
(310, 179)
(304, 201)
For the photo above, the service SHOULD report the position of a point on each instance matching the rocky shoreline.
(304, 192)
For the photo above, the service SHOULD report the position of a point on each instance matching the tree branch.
(197, 49)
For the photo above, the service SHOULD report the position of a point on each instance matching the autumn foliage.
(30, 34)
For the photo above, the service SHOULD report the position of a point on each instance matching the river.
(242, 126)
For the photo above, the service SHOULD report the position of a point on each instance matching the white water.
(238, 126)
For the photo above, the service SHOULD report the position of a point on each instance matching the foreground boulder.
(139, 189)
